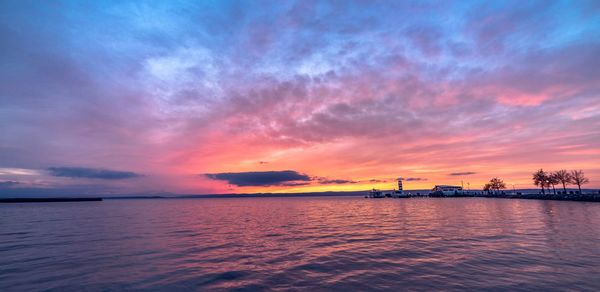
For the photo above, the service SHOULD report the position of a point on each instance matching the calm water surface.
(337, 243)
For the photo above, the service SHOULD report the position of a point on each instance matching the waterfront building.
(446, 190)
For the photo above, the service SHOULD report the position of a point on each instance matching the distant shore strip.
(47, 200)
(585, 197)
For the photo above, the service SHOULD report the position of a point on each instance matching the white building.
(447, 190)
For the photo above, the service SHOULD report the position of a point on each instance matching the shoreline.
(586, 197)
(551, 197)
(548, 197)
(48, 200)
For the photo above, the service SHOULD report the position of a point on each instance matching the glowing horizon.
(125, 97)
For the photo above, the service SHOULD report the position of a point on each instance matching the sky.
(205, 97)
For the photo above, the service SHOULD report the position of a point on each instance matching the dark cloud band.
(8, 184)
(260, 178)
(83, 172)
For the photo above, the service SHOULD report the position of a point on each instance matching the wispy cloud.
(295, 184)
(465, 173)
(414, 179)
(18, 171)
(326, 181)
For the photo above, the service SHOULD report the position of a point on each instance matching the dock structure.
(399, 193)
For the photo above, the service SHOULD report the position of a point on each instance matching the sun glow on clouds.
(350, 94)
(18, 171)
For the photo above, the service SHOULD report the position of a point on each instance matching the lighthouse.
(400, 185)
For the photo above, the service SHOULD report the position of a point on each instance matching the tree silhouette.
(487, 187)
(540, 178)
(495, 184)
(563, 177)
(553, 180)
(579, 178)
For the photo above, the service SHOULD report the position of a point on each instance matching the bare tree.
(540, 178)
(487, 187)
(495, 184)
(563, 177)
(579, 178)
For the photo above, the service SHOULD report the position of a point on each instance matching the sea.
(301, 244)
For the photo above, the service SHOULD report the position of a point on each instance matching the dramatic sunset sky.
(196, 97)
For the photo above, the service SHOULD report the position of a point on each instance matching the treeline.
(545, 180)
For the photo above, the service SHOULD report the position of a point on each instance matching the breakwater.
(47, 200)
(585, 197)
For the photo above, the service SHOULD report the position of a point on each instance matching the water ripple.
(301, 244)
